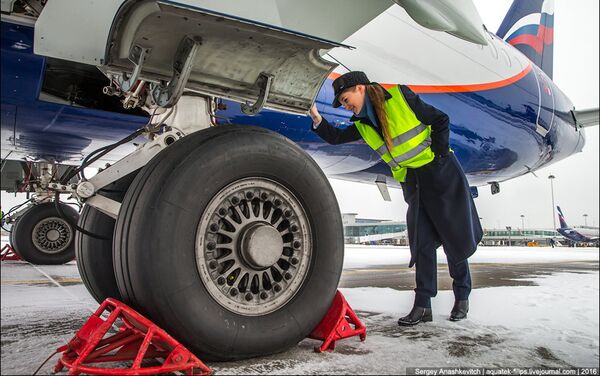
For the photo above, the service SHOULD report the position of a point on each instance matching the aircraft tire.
(40, 236)
(95, 256)
(12, 238)
(177, 248)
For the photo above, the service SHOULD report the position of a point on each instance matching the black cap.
(346, 81)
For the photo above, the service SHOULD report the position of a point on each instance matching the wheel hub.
(253, 246)
(52, 235)
(261, 246)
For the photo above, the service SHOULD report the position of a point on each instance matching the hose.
(44, 362)
(70, 221)
(7, 214)
(99, 153)
(88, 160)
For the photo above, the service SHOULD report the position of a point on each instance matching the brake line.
(99, 153)
(70, 221)
(91, 158)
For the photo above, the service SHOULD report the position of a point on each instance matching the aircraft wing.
(587, 118)
(270, 49)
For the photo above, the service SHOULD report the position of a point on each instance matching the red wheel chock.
(137, 339)
(339, 322)
(9, 254)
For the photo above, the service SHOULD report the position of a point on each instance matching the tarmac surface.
(43, 306)
(400, 277)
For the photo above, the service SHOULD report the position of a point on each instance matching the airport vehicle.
(215, 217)
(577, 234)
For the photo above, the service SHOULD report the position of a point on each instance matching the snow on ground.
(553, 323)
(361, 256)
(561, 314)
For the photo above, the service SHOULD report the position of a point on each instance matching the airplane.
(212, 213)
(580, 234)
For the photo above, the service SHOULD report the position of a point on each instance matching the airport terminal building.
(373, 231)
(379, 231)
(521, 237)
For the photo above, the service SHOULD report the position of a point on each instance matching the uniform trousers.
(426, 265)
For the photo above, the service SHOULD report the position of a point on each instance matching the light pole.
(523, 224)
(585, 219)
(552, 177)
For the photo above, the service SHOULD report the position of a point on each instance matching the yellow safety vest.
(410, 137)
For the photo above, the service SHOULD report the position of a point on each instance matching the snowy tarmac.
(530, 307)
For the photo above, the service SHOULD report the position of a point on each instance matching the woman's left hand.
(315, 115)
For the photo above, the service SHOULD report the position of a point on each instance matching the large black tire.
(53, 235)
(156, 263)
(94, 255)
(12, 238)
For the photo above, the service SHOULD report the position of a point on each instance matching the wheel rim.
(52, 235)
(253, 246)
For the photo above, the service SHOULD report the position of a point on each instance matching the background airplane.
(578, 234)
(170, 227)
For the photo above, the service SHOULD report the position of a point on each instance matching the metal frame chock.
(167, 95)
(264, 82)
(137, 55)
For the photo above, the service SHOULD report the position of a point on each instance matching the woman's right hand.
(315, 115)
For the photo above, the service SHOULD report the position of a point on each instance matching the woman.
(412, 138)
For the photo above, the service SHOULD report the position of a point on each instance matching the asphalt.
(400, 277)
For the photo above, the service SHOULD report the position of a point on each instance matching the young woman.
(412, 139)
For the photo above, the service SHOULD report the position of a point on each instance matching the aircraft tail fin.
(561, 218)
(529, 27)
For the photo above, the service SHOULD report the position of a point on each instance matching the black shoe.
(459, 311)
(417, 315)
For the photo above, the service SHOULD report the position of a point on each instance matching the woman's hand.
(315, 115)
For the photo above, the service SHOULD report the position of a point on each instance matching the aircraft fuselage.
(499, 130)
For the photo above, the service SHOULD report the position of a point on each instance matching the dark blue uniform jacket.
(439, 189)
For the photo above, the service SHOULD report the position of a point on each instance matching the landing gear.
(232, 241)
(230, 237)
(41, 236)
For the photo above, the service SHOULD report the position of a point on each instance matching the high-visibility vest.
(411, 139)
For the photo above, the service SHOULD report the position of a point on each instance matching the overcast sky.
(576, 186)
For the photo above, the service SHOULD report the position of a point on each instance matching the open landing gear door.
(177, 46)
(226, 56)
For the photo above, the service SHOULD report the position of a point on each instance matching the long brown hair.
(377, 96)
